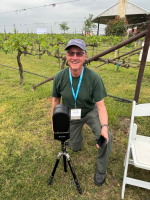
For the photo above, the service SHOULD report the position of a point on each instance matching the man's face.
(75, 57)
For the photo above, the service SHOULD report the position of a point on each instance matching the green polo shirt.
(91, 90)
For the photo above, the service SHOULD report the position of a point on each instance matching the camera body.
(61, 122)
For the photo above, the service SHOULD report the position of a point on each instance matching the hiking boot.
(99, 178)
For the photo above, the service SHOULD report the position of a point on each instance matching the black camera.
(61, 122)
(61, 125)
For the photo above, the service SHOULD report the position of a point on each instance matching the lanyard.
(79, 84)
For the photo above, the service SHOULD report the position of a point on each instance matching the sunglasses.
(78, 53)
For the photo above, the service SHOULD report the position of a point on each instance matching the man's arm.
(55, 102)
(103, 117)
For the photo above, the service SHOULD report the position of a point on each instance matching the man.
(83, 92)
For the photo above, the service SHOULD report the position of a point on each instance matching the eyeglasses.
(78, 53)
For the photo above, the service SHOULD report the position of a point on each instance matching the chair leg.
(123, 189)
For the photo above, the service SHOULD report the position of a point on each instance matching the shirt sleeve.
(99, 91)
(56, 87)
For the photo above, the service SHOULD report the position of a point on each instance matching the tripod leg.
(54, 169)
(74, 175)
(65, 165)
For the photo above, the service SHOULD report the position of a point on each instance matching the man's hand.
(104, 132)
(103, 118)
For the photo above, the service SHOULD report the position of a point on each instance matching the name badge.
(75, 114)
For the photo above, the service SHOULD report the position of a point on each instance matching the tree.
(63, 26)
(88, 24)
(117, 27)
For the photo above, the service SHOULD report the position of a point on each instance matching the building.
(135, 15)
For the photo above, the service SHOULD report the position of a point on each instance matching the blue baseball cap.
(76, 42)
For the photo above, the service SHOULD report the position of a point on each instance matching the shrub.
(117, 27)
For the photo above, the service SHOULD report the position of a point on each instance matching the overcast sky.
(74, 12)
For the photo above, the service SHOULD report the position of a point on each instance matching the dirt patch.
(125, 124)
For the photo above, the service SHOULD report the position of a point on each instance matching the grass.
(28, 150)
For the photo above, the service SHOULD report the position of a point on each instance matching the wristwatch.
(102, 125)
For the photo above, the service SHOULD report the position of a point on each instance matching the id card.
(75, 114)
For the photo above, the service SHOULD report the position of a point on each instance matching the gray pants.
(91, 119)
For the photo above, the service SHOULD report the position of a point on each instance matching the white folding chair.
(138, 151)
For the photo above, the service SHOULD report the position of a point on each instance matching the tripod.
(65, 155)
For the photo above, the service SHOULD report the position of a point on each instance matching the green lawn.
(28, 150)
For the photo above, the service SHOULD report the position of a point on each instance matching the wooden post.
(142, 64)
(20, 66)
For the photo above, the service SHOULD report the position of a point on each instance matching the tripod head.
(61, 122)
